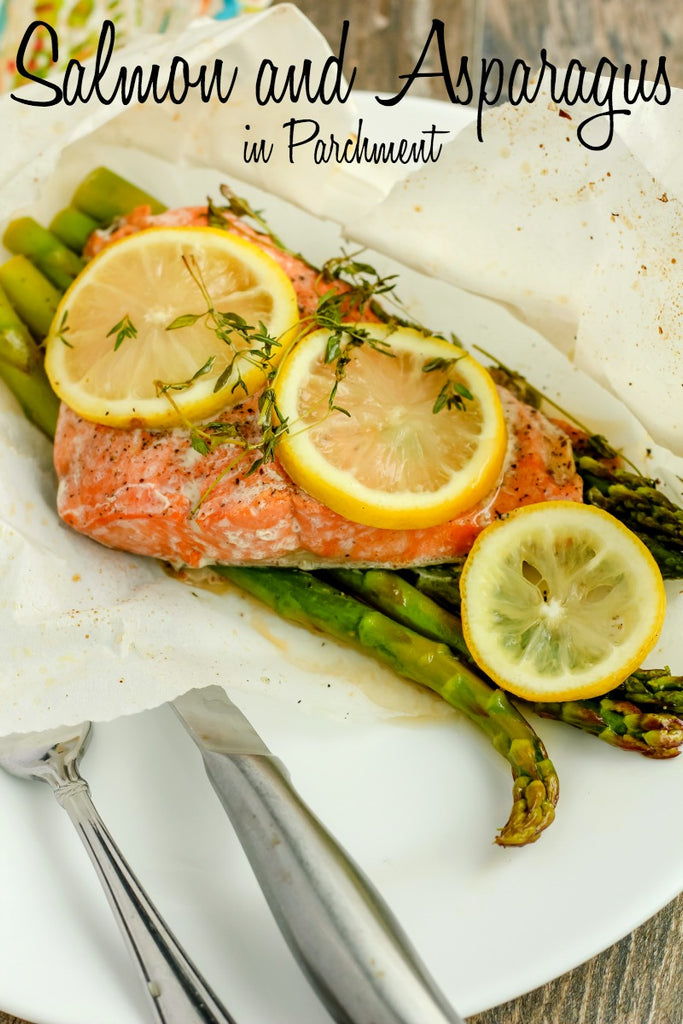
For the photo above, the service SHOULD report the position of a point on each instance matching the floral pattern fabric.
(78, 24)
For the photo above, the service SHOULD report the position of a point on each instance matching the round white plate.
(416, 800)
(416, 804)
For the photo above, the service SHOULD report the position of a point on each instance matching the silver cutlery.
(176, 990)
(347, 941)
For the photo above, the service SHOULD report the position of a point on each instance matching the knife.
(343, 935)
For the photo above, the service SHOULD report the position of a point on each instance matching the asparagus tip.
(533, 810)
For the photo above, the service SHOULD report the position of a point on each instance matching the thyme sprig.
(240, 207)
(259, 348)
(362, 285)
(343, 336)
(204, 439)
(364, 281)
(530, 394)
(64, 328)
(124, 329)
(454, 394)
(354, 287)
(258, 344)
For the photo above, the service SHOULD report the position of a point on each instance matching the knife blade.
(345, 938)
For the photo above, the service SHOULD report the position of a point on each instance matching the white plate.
(416, 801)
(416, 805)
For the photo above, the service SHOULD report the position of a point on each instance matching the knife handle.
(346, 939)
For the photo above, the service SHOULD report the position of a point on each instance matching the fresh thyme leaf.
(163, 387)
(439, 363)
(198, 443)
(231, 321)
(64, 329)
(454, 394)
(240, 207)
(209, 436)
(224, 377)
(185, 320)
(594, 444)
(231, 328)
(125, 328)
(215, 215)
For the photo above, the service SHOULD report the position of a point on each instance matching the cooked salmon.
(151, 493)
(308, 282)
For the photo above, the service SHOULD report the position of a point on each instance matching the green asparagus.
(32, 390)
(640, 505)
(440, 582)
(33, 297)
(629, 496)
(619, 722)
(310, 601)
(17, 347)
(104, 196)
(652, 689)
(73, 228)
(390, 593)
(640, 714)
(25, 236)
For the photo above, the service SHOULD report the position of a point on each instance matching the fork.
(176, 990)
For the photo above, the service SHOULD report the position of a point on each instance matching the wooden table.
(638, 980)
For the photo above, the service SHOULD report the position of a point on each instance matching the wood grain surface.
(387, 36)
(640, 979)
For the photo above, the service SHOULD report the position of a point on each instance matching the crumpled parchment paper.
(90, 633)
(585, 245)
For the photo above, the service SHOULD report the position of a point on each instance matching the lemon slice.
(133, 342)
(560, 601)
(388, 459)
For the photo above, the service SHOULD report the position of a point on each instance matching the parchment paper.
(90, 633)
(584, 245)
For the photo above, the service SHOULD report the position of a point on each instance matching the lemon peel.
(139, 339)
(374, 450)
(560, 601)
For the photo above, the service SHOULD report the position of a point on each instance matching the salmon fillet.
(306, 279)
(151, 493)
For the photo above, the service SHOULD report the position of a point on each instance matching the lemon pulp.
(382, 456)
(147, 321)
(560, 601)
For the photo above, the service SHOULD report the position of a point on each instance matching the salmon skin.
(151, 493)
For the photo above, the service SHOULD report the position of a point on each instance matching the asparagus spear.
(619, 722)
(653, 689)
(634, 716)
(73, 228)
(33, 297)
(641, 506)
(104, 196)
(29, 238)
(32, 390)
(17, 347)
(21, 366)
(310, 601)
(390, 593)
(634, 499)
(440, 582)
